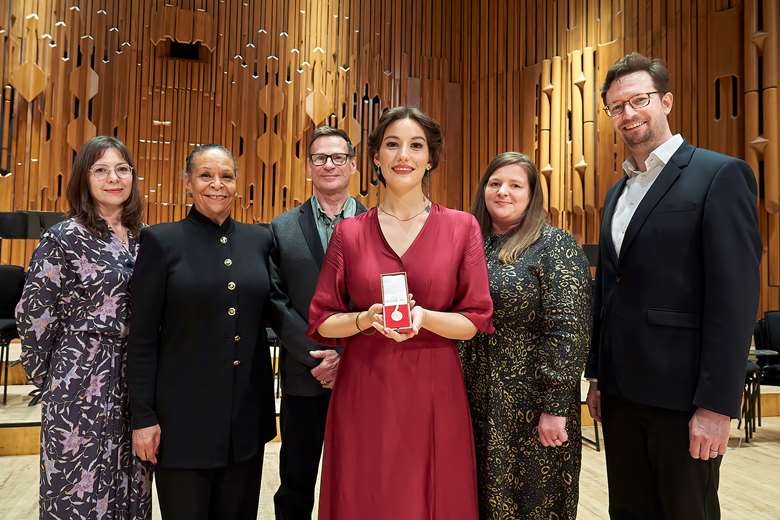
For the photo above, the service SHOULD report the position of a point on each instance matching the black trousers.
(302, 424)
(651, 474)
(229, 493)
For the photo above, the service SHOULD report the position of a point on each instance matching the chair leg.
(277, 370)
(746, 411)
(751, 424)
(5, 353)
(758, 396)
(598, 441)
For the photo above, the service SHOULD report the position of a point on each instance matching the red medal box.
(395, 302)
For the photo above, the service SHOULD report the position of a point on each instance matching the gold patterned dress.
(532, 364)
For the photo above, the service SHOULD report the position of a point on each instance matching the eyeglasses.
(637, 101)
(338, 159)
(101, 173)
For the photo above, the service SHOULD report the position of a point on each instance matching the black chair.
(11, 284)
(751, 400)
(767, 337)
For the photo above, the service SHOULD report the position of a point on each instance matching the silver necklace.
(125, 243)
(426, 209)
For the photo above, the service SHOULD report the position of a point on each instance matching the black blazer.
(295, 265)
(673, 314)
(196, 367)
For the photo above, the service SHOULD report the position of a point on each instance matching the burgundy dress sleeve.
(330, 296)
(472, 294)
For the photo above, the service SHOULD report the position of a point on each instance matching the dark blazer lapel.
(606, 223)
(309, 228)
(657, 191)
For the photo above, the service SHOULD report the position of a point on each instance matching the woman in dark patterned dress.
(72, 319)
(523, 381)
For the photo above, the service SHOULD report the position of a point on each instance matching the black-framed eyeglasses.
(636, 101)
(338, 159)
(101, 173)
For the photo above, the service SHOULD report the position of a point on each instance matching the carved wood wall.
(498, 75)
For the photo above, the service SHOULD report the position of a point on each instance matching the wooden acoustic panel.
(258, 77)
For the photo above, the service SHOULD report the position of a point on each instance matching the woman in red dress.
(398, 441)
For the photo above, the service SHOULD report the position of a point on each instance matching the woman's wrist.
(423, 317)
(357, 322)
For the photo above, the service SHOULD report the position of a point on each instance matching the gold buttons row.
(231, 287)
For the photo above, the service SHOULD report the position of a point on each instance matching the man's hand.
(708, 433)
(328, 368)
(552, 430)
(594, 401)
(146, 443)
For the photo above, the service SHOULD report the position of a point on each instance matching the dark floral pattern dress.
(532, 364)
(72, 319)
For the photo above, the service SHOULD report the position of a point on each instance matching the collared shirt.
(326, 224)
(637, 186)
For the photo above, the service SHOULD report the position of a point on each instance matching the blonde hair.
(530, 228)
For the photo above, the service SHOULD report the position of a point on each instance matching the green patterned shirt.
(326, 224)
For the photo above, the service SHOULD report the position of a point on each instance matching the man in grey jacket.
(308, 370)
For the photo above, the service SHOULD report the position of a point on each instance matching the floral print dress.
(73, 319)
(532, 364)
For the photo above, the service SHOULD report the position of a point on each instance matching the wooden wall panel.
(265, 75)
(497, 74)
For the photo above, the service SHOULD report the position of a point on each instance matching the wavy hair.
(82, 205)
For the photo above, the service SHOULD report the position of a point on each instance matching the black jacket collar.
(309, 228)
(669, 174)
(200, 219)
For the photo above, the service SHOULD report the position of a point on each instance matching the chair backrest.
(770, 335)
(11, 285)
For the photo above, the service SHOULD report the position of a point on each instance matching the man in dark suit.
(308, 370)
(674, 306)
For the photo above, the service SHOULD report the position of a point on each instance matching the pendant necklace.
(426, 209)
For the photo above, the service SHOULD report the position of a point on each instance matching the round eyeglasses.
(338, 159)
(637, 101)
(122, 171)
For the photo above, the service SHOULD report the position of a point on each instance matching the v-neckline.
(416, 238)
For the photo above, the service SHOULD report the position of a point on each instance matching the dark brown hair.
(430, 127)
(82, 205)
(535, 218)
(203, 148)
(328, 131)
(635, 62)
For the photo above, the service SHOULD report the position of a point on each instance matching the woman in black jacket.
(199, 370)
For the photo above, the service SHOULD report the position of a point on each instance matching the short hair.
(431, 128)
(635, 62)
(329, 131)
(82, 206)
(530, 228)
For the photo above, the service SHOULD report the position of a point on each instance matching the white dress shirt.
(637, 186)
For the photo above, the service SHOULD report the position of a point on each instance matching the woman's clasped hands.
(373, 317)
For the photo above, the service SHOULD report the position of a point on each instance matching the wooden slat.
(497, 75)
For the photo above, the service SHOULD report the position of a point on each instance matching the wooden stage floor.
(750, 480)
